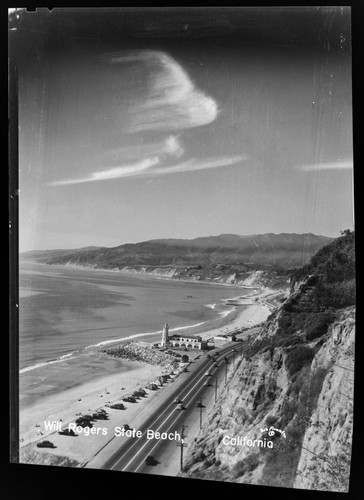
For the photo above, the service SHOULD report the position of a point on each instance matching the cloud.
(171, 100)
(170, 146)
(173, 147)
(336, 165)
(113, 173)
(193, 165)
(145, 169)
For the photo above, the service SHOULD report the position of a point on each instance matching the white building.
(221, 338)
(187, 342)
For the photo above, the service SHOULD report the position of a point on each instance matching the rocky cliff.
(313, 407)
(285, 417)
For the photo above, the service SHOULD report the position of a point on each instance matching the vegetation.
(334, 267)
(299, 328)
(327, 284)
(314, 324)
(246, 465)
(298, 357)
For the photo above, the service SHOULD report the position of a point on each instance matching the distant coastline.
(222, 280)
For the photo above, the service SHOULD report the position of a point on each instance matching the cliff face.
(285, 417)
(326, 448)
(313, 408)
(261, 279)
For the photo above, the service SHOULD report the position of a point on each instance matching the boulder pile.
(135, 352)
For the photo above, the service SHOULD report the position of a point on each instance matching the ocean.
(65, 310)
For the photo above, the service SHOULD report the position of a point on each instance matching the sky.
(145, 124)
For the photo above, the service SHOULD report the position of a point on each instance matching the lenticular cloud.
(171, 101)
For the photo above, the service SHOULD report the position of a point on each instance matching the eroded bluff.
(296, 391)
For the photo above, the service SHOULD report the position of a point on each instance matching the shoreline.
(253, 313)
(146, 274)
(255, 309)
(222, 320)
(95, 379)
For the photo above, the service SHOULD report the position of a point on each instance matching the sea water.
(63, 310)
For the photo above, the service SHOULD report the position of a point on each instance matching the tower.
(165, 336)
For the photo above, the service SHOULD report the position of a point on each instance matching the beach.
(73, 315)
(94, 380)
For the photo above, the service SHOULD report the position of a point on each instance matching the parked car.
(129, 399)
(83, 422)
(67, 432)
(45, 444)
(117, 406)
(152, 387)
(100, 416)
(87, 417)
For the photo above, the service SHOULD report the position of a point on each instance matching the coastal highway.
(168, 418)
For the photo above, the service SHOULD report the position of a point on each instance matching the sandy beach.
(95, 380)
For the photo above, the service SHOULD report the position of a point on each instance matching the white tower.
(165, 336)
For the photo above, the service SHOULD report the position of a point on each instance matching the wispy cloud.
(146, 168)
(193, 165)
(170, 146)
(171, 100)
(113, 173)
(336, 165)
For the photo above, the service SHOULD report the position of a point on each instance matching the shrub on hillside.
(330, 278)
(317, 324)
(297, 358)
(270, 420)
(314, 324)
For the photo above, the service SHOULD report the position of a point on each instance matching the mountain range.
(281, 251)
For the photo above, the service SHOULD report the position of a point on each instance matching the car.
(208, 374)
(126, 427)
(180, 406)
(67, 432)
(215, 365)
(152, 387)
(129, 399)
(150, 460)
(177, 400)
(45, 444)
(83, 422)
(141, 392)
(100, 416)
(208, 356)
(184, 369)
(117, 406)
(87, 417)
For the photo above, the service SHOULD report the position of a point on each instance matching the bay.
(65, 309)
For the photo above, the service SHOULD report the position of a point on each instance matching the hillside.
(281, 251)
(297, 378)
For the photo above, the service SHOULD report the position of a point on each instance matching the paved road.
(168, 419)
